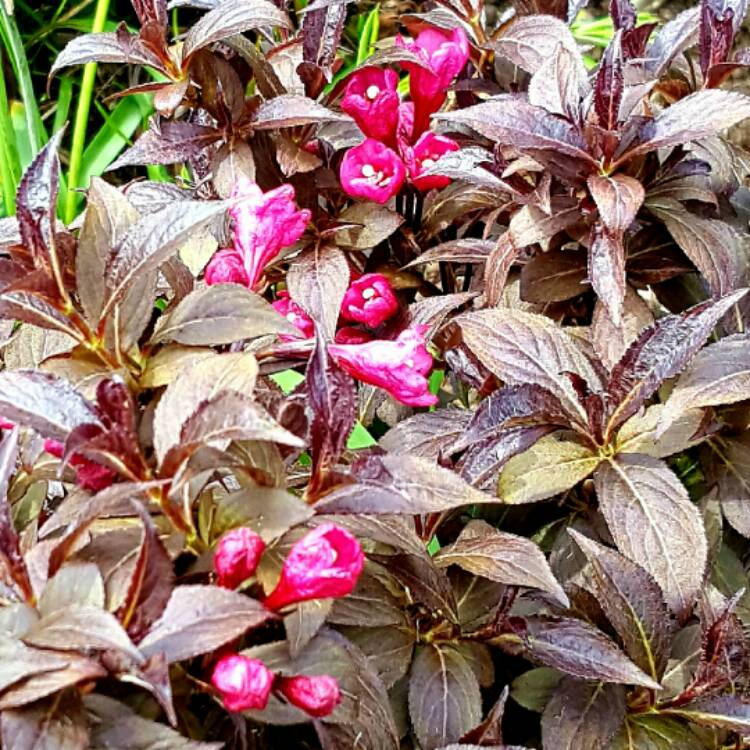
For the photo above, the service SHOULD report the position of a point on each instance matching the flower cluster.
(398, 366)
(398, 141)
(324, 564)
(244, 684)
(264, 224)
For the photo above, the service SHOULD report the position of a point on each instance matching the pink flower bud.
(6, 425)
(236, 557)
(264, 224)
(372, 100)
(242, 683)
(373, 171)
(352, 335)
(226, 267)
(445, 53)
(426, 152)
(369, 300)
(316, 695)
(398, 367)
(89, 474)
(324, 564)
(287, 307)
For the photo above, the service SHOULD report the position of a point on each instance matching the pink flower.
(426, 152)
(405, 127)
(316, 695)
(242, 683)
(324, 564)
(264, 224)
(226, 267)
(445, 53)
(352, 335)
(236, 557)
(398, 367)
(287, 307)
(89, 474)
(369, 300)
(372, 100)
(6, 425)
(372, 170)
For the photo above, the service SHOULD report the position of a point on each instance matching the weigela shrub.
(413, 414)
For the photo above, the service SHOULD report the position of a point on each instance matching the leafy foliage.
(517, 378)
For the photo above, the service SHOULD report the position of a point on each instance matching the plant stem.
(85, 97)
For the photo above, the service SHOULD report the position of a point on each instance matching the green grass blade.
(369, 35)
(85, 97)
(64, 100)
(36, 134)
(9, 167)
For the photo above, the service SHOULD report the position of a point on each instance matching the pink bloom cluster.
(399, 367)
(369, 300)
(245, 684)
(264, 224)
(398, 141)
(324, 564)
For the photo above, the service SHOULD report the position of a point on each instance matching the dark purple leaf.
(444, 697)
(56, 724)
(521, 347)
(35, 211)
(12, 563)
(291, 110)
(653, 522)
(427, 435)
(660, 352)
(610, 342)
(554, 276)
(332, 401)
(716, 34)
(48, 404)
(220, 314)
(232, 17)
(560, 84)
(575, 648)
(582, 715)
(168, 143)
(607, 270)
(693, 118)
(719, 374)
(200, 619)
(151, 583)
(317, 282)
(623, 14)
(152, 239)
(501, 557)
(716, 249)
(673, 38)
(609, 86)
(396, 483)
(321, 36)
(117, 725)
(511, 119)
(634, 605)
(530, 41)
(719, 711)
(105, 47)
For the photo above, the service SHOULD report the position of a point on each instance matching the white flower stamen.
(372, 92)
(368, 293)
(368, 170)
(427, 163)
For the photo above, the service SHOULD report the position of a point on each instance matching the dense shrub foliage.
(413, 414)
